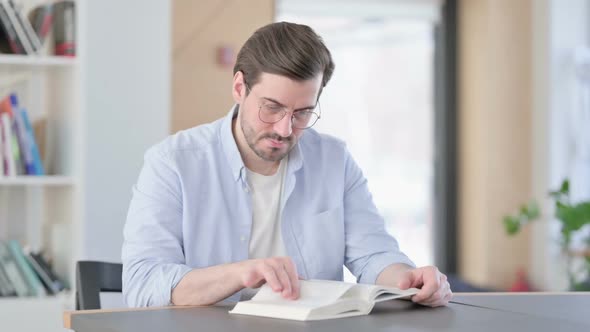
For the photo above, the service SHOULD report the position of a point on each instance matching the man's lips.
(275, 143)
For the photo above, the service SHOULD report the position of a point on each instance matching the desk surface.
(481, 312)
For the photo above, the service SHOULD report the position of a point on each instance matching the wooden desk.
(468, 312)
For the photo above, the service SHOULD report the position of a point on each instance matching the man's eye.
(302, 115)
(274, 108)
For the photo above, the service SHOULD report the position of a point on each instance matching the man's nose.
(285, 126)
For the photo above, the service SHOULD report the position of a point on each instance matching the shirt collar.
(230, 148)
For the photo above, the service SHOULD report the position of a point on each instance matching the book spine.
(16, 154)
(20, 33)
(22, 135)
(6, 108)
(24, 146)
(2, 159)
(6, 285)
(64, 28)
(41, 18)
(56, 282)
(35, 286)
(46, 21)
(12, 271)
(46, 279)
(13, 42)
(38, 164)
(27, 28)
(7, 142)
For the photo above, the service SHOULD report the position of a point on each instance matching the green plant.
(572, 218)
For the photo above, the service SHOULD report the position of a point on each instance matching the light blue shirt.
(191, 208)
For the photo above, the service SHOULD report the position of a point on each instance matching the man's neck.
(252, 161)
(257, 165)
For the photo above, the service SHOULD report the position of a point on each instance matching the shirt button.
(243, 238)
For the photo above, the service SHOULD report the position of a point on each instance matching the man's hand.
(434, 288)
(212, 284)
(279, 272)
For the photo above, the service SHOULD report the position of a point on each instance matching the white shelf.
(36, 60)
(47, 313)
(51, 180)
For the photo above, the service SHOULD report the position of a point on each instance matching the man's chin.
(273, 155)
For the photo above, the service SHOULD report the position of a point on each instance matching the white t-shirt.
(266, 239)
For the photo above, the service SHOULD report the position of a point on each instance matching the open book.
(320, 299)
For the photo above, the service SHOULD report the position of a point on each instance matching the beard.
(268, 154)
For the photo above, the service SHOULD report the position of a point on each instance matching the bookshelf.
(36, 61)
(103, 109)
(45, 212)
(52, 180)
(33, 314)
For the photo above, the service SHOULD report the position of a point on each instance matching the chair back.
(94, 277)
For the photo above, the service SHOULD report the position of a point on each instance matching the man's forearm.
(390, 276)
(208, 285)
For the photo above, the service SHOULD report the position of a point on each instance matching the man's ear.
(238, 88)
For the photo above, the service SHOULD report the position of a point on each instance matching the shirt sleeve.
(152, 253)
(369, 248)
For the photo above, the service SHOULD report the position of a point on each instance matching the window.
(380, 101)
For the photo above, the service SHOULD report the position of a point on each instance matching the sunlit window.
(380, 101)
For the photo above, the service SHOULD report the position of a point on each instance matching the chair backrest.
(92, 278)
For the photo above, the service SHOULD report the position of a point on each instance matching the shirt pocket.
(324, 244)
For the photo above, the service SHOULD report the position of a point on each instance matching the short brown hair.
(286, 49)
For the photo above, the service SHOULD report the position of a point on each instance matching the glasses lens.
(271, 113)
(304, 119)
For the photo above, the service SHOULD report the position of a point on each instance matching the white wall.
(126, 77)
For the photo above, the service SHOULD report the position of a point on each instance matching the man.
(258, 197)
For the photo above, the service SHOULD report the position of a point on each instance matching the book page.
(319, 299)
(380, 294)
(314, 293)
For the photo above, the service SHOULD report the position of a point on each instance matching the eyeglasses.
(270, 113)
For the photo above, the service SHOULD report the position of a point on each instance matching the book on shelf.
(1, 148)
(320, 299)
(9, 42)
(19, 151)
(11, 144)
(52, 283)
(24, 273)
(10, 267)
(26, 153)
(32, 280)
(37, 163)
(21, 34)
(6, 287)
(41, 18)
(29, 32)
(64, 28)
(23, 30)
(7, 153)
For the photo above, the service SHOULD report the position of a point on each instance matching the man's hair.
(286, 49)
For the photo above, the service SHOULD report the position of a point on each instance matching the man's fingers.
(441, 297)
(283, 279)
(271, 277)
(406, 281)
(437, 298)
(291, 270)
(280, 273)
(286, 275)
(431, 285)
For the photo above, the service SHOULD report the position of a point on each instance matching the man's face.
(273, 141)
